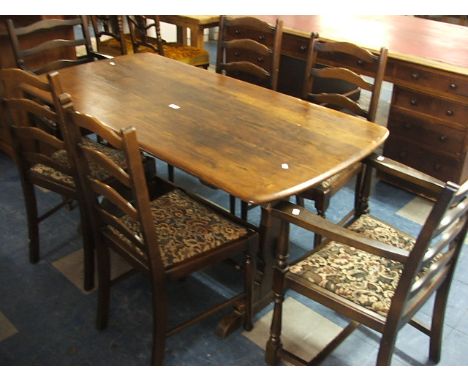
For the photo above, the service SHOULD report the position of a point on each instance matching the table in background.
(257, 144)
(196, 24)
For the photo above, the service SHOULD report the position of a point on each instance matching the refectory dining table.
(256, 144)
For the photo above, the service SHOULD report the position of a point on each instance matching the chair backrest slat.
(125, 191)
(60, 51)
(434, 254)
(325, 51)
(107, 164)
(34, 126)
(48, 45)
(249, 50)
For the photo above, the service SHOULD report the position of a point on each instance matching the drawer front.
(444, 82)
(436, 136)
(294, 46)
(434, 164)
(422, 103)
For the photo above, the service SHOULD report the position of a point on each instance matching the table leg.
(269, 231)
(196, 36)
(181, 35)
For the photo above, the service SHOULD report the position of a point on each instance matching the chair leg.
(244, 210)
(387, 346)
(33, 221)
(232, 204)
(159, 324)
(321, 205)
(300, 201)
(437, 326)
(249, 270)
(274, 344)
(170, 172)
(103, 286)
(88, 251)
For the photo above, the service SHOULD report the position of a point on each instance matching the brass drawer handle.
(415, 76)
(261, 38)
(453, 86)
(259, 59)
(449, 113)
(360, 62)
(413, 101)
(303, 48)
(443, 138)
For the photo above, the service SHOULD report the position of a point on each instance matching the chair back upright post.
(374, 65)
(111, 27)
(62, 52)
(140, 27)
(249, 49)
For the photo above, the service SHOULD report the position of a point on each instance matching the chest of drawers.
(428, 122)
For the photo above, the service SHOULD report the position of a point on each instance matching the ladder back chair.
(41, 157)
(374, 66)
(159, 229)
(249, 50)
(110, 38)
(141, 30)
(60, 53)
(371, 272)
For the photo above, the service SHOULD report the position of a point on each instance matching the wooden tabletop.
(421, 41)
(254, 143)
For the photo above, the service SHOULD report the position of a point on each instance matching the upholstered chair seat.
(185, 228)
(61, 157)
(357, 276)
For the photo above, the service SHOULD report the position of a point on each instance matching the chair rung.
(52, 210)
(333, 344)
(204, 314)
(291, 358)
(420, 326)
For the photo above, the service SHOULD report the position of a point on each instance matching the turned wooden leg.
(249, 271)
(274, 345)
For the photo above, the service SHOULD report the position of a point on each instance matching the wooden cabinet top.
(420, 41)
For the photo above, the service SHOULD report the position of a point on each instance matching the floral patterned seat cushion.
(61, 158)
(358, 276)
(184, 227)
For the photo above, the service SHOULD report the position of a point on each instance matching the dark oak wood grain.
(256, 144)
